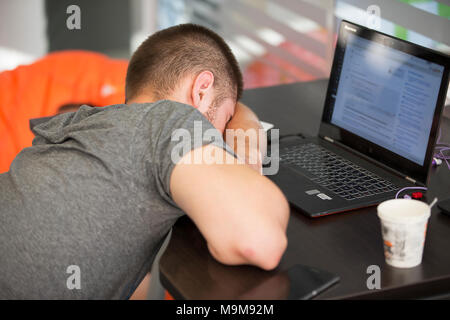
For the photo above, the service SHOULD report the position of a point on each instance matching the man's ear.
(202, 93)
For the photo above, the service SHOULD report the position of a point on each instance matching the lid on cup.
(403, 211)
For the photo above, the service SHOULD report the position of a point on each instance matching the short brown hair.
(165, 57)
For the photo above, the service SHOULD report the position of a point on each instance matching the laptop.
(378, 130)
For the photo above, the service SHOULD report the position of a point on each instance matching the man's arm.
(242, 215)
(243, 120)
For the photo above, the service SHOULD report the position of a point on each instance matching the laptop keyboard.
(335, 173)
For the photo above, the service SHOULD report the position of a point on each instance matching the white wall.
(22, 32)
(143, 21)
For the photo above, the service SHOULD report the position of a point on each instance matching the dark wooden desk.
(345, 244)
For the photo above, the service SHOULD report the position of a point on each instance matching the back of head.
(167, 56)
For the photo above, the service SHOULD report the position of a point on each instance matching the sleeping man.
(100, 188)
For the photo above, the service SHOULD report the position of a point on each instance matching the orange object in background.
(39, 89)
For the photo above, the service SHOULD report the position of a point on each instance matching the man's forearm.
(247, 137)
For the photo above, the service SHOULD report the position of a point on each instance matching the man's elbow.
(265, 247)
(266, 252)
(262, 242)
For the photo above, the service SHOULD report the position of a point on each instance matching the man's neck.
(142, 99)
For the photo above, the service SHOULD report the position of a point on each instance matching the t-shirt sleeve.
(172, 130)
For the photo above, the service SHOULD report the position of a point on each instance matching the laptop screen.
(386, 96)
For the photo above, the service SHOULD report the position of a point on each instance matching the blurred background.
(58, 54)
(275, 41)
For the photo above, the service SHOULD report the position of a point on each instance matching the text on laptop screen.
(387, 96)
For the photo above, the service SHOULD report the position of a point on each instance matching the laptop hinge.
(411, 179)
(328, 139)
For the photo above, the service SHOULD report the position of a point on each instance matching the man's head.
(189, 64)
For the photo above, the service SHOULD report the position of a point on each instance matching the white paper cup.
(403, 226)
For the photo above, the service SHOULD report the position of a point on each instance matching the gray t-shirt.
(92, 192)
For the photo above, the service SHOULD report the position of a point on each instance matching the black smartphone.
(307, 282)
(444, 205)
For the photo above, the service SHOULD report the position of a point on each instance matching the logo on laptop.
(349, 28)
(321, 195)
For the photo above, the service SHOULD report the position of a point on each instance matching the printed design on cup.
(397, 246)
(403, 226)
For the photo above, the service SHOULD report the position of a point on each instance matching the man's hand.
(242, 214)
(247, 137)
